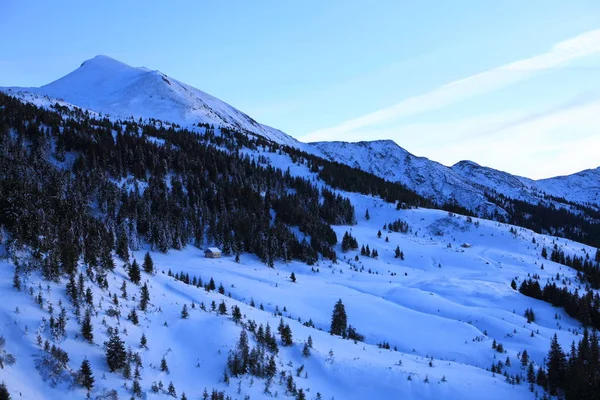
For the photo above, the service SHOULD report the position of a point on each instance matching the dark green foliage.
(163, 365)
(148, 264)
(4, 393)
(86, 327)
(530, 315)
(134, 272)
(85, 377)
(171, 390)
(306, 350)
(585, 308)
(557, 367)
(222, 310)
(184, 312)
(398, 253)
(349, 242)
(144, 297)
(354, 335)
(116, 356)
(399, 225)
(133, 317)
(286, 336)
(136, 388)
(143, 341)
(236, 314)
(339, 321)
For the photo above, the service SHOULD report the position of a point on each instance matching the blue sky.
(315, 68)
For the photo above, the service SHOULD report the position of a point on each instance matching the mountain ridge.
(106, 85)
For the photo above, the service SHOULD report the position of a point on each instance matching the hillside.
(84, 197)
(465, 182)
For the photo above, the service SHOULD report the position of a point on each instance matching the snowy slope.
(466, 182)
(441, 304)
(582, 187)
(105, 85)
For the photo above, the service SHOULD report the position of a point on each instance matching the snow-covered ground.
(444, 303)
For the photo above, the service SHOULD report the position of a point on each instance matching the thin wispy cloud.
(560, 54)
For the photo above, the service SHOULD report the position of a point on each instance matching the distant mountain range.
(108, 86)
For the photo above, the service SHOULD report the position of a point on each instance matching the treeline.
(573, 374)
(584, 308)
(581, 226)
(77, 187)
(588, 271)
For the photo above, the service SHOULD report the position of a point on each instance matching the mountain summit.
(106, 85)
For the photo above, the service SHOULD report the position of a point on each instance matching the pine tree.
(17, 279)
(4, 393)
(144, 297)
(236, 314)
(338, 320)
(293, 277)
(85, 377)
(143, 341)
(513, 284)
(367, 216)
(116, 356)
(134, 272)
(222, 308)
(136, 388)
(306, 350)
(557, 367)
(133, 317)
(379, 234)
(171, 390)
(148, 264)
(124, 290)
(184, 312)
(286, 336)
(163, 365)
(86, 327)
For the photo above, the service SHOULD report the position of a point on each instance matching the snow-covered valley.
(443, 303)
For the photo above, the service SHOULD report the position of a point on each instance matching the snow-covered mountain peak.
(106, 85)
(466, 164)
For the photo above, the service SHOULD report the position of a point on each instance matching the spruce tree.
(85, 377)
(293, 277)
(143, 341)
(339, 321)
(148, 264)
(557, 367)
(4, 393)
(306, 350)
(171, 390)
(116, 356)
(134, 272)
(184, 312)
(136, 388)
(86, 327)
(144, 297)
(163, 365)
